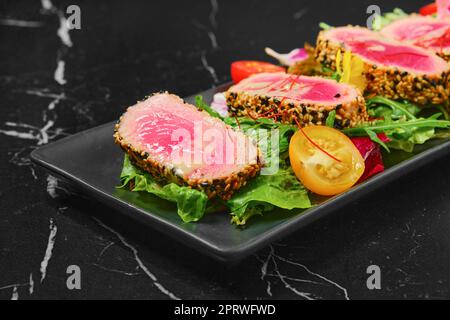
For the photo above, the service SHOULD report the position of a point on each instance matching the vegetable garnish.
(316, 170)
(309, 66)
(428, 9)
(266, 192)
(288, 59)
(314, 143)
(191, 203)
(400, 122)
(243, 69)
(371, 153)
(352, 70)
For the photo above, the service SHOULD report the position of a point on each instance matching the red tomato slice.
(245, 68)
(428, 10)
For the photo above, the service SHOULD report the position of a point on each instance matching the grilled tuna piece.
(176, 142)
(289, 98)
(425, 32)
(393, 69)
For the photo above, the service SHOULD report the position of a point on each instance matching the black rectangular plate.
(93, 162)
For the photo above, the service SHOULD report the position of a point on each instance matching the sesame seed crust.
(391, 82)
(242, 104)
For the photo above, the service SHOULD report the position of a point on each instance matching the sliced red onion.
(288, 59)
(219, 104)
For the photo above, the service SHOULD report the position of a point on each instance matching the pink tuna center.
(197, 147)
(296, 88)
(393, 55)
(414, 31)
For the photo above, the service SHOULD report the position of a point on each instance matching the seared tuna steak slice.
(394, 70)
(290, 98)
(425, 32)
(176, 142)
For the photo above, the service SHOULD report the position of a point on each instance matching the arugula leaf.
(400, 122)
(191, 203)
(406, 109)
(374, 137)
(404, 133)
(330, 119)
(206, 107)
(265, 192)
(382, 126)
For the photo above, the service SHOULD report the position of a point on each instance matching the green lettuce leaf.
(191, 203)
(265, 192)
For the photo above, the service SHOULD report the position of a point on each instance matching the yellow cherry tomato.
(325, 160)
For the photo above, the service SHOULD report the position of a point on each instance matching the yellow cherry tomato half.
(325, 160)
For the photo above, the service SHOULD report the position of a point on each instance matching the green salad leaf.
(264, 193)
(206, 107)
(191, 203)
(330, 119)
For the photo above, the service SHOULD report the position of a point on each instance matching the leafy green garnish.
(387, 18)
(191, 203)
(374, 137)
(206, 107)
(330, 119)
(325, 26)
(266, 192)
(400, 122)
(399, 108)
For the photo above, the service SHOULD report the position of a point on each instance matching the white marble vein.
(20, 23)
(59, 72)
(141, 265)
(63, 30)
(29, 132)
(213, 13)
(315, 275)
(210, 69)
(52, 185)
(48, 252)
(125, 273)
(43, 93)
(21, 158)
(213, 39)
(15, 294)
(265, 264)
(11, 286)
(47, 5)
(300, 13)
(31, 284)
(273, 261)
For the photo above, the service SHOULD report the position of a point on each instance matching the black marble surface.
(53, 85)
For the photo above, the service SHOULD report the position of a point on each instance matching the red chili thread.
(313, 143)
